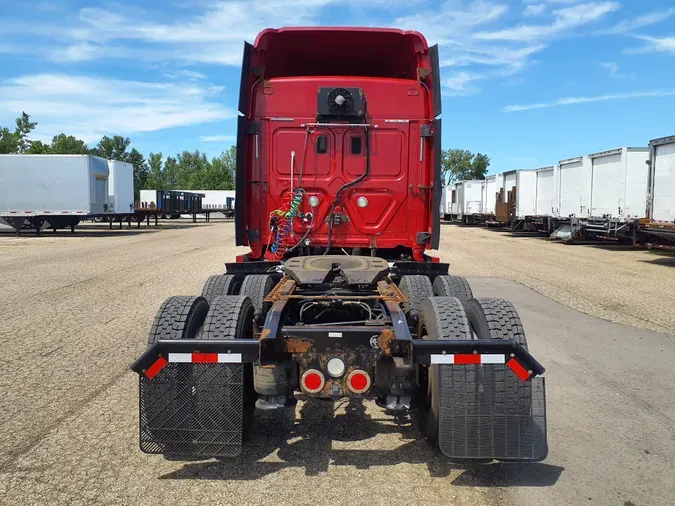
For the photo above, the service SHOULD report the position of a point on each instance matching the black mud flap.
(191, 409)
(485, 414)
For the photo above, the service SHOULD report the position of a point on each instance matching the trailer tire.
(231, 317)
(452, 286)
(257, 287)
(416, 289)
(219, 285)
(179, 317)
(441, 318)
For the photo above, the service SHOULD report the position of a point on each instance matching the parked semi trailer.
(657, 230)
(493, 186)
(221, 201)
(527, 202)
(337, 297)
(58, 189)
(612, 193)
(449, 202)
(470, 201)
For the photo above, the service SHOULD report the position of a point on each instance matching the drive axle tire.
(416, 289)
(179, 317)
(220, 284)
(452, 286)
(257, 287)
(441, 318)
(493, 318)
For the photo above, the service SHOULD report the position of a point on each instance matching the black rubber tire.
(218, 285)
(493, 318)
(179, 317)
(416, 289)
(441, 318)
(452, 286)
(257, 287)
(231, 317)
(277, 380)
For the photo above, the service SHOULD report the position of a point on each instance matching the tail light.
(358, 381)
(312, 381)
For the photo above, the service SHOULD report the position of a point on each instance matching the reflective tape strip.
(468, 358)
(229, 358)
(206, 358)
(180, 357)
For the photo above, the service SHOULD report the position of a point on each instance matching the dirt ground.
(76, 309)
(635, 287)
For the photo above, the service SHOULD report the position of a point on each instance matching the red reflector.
(204, 358)
(467, 358)
(154, 369)
(359, 381)
(313, 381)
(520, 371)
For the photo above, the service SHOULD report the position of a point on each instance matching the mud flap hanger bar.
(481, 351)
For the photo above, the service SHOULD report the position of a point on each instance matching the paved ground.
(75, 313)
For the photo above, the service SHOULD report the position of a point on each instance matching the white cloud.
(90, 107)
(628, 25)
(613, 69)
(566, 20)
(218, 138)
(654, 45)
(587, 100)
(535, 10)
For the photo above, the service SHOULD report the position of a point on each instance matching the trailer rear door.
(545, 192)
(664, 182)
(608, 183)
(573, 188)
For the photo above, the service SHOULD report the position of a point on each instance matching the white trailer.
(525, 184)
(469, 199)
(60, 189)
(619, 179)
(662, 180)
(493, 184)
(546, 192)
(574, 187)
(120, 187)
(447, 198)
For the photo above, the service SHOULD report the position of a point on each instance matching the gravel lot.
(76, 311)
(635, 287)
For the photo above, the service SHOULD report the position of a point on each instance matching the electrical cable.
(350, 183)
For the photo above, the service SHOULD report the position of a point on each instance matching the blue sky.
(529, 82)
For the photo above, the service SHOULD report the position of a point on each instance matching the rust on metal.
(265, 333)
(297, 345)
(385, 339)
(282, 290)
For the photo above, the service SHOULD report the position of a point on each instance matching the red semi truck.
(338, 190)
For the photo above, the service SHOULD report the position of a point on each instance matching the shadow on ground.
(308, 443)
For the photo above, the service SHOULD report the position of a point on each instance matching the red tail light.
(312, 381)
(358, 381)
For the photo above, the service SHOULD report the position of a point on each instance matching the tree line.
(189, 170)
(185, 171)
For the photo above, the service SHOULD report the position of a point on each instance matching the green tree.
(155, 175)
(192, 170)
(221, 176)
(39, 148)
(63, 144)
(170, 174)
(462, 164)
(24, 126)
(112, 148)
(16, 141)
(135, 158)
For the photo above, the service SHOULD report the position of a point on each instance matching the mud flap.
(485, 414)
(192, 409)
